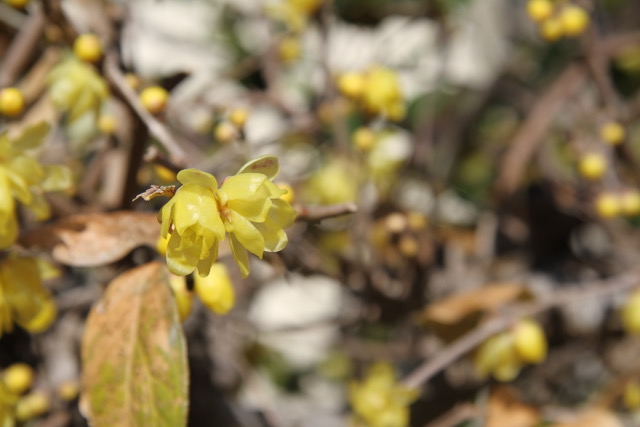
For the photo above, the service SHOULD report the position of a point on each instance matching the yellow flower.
(22, 297)
(247, 206)
(254, 216)
(191, 221)
(76, 88)
(382, 94)
(23, 178)
(380, 400)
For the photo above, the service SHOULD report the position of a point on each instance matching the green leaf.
(134, 354)
(267, 165)
(32, 137)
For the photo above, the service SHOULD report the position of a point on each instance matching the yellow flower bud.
(11, 102)
(239, 116)
(363, 138)
(154, 99)
(607, 205)
(18, 378)
(351, 84)
(612, 133)
(529, 341)
(216, 291)
(225, 132)
(574, 19)
(592, 166)
(539, 10)
(32, 405)
(88, 48)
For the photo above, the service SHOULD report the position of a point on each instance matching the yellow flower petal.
(195, 176)
(181, 261)
(248, 195)
(247, 234)
(240, 255)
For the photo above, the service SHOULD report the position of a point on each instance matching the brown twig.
(536, 124)
(22, 47)
(157, 129)
(504, 320)
(598, 61)
(317, 213)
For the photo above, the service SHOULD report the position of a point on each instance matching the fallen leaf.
(134, 354)
(95, 239)
(452, 317)
(505, 409)
(596, 417)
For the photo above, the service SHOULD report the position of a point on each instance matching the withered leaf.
(156, 191)
(134, 355)
(94, 239)
(456, 315)
(506, 409)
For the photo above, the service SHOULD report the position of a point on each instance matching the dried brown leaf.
(134, 354)
(505, 409)
(95, 239)
(454, 316)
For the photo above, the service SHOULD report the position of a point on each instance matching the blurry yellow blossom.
(382, 94)
(22, 298)
(377, 90)
(24, 179)
(379, 400)
(216, 291)
(247, 206)
(335, 182)
(76, 88)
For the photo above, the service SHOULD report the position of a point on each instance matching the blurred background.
(466, 179)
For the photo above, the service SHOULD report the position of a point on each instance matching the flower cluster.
(377, 90)
(379, 400)
(247, 207)
(504, 354)
(23, 178)
(23, 300)
(77, 89)
(556, 20)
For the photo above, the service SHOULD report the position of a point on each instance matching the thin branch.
(157, 129)
(317, 213)
(471, 340)
(530, 134)
(22, 48)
